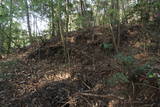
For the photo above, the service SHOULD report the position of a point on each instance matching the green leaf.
(150, 75)
(106, 46)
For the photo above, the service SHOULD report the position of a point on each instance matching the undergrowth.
(134, 73)
(6, 66)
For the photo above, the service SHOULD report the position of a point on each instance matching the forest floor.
(93, 75)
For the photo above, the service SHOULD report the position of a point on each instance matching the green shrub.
(106, 46)
(134, 73)
(4, 75)
(117, 78)
(5, 67)
(126, 61)
(143, 68)
(11, 63)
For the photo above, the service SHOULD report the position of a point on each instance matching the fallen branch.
(102, 96)
(147, 85)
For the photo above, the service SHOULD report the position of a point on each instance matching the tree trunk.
(118, 23)
(82, 7)
(1, 40)
(115, 20)
(67, 14)
(28, 21)
(52, 18)
(10, 28)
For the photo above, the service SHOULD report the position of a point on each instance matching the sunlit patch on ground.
(58, 77)
(141, 56)
(113, 103)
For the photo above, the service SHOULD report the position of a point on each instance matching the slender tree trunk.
(10, 28)
(124, 12)
(63, 38)
(1, 40)
(83, 14)
(67, 14)
(115, 20)
(52, 18)
(114, 39)
(28, 21)
(82, 7)
(118, 23)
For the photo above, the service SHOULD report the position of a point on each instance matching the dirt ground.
(42, 75)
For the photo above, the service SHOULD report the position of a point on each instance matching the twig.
(103, 96)
(86, 85)
(133, 88)
(72, 101)
(147, 85)
(86, 100)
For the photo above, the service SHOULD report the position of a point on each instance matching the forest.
(79, 53)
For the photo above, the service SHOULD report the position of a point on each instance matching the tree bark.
(1, 40)
(28, 21)
(10, 28)
(52, 18)
(67, 15)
